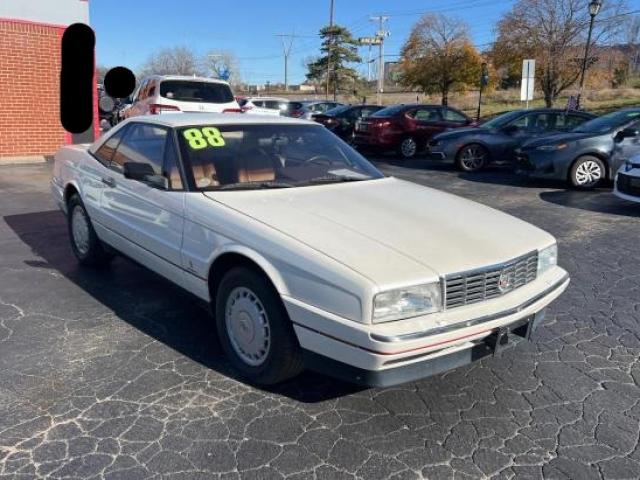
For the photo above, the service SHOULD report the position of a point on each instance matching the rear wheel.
(587, 172)
(254, 328)
(408, 148)
(85, 244)
(472, 158)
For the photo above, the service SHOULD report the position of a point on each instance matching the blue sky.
(127, 32)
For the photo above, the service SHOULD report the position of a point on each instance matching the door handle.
(108, 181)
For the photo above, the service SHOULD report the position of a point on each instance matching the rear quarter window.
(194, 91)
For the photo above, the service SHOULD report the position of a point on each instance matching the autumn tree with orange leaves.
(439, 57)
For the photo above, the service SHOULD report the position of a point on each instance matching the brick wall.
(29, 89)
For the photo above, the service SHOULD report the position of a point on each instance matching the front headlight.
(407, 302)
(551, 148)
(547, 258)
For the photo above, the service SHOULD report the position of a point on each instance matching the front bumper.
(626, 186)
(57, 192)
(539, 164)
(383, 355)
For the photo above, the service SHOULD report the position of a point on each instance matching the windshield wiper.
(253, 185)
(332, 179)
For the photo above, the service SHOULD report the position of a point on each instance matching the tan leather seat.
(205, 175)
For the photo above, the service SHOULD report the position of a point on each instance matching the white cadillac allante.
(308, 255)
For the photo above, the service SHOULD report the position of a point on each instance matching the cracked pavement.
(117, 374)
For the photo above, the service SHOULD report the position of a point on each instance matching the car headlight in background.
(407, 302)
(547, 258)
(551, 148)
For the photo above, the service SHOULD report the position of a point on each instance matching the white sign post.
(528, 76)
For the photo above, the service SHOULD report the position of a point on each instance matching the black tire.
(408, 148)
(587, 172)
(472, 157)
(283, 357)
(93, 253)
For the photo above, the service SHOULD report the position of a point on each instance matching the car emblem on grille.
(506, 281)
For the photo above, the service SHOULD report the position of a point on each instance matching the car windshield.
(389, 111)
(249, 157)
(194, 91)
(337, 110)
(608, 123)
(501, 120)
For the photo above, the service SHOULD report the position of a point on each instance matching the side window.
(427, 115)
(570, 121)
(171, 168)
(453, 116)
(525, 122)
(143, 143)
(544, 122)
(151, 88)
(105, 153)
(367, 112)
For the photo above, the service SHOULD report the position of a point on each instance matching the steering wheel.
(321, 159)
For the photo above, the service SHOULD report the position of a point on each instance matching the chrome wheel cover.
(408, 147)
(473, 157)
(247, 326)
(588, 173)
(80, 230)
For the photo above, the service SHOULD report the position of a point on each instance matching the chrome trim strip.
(469, 323)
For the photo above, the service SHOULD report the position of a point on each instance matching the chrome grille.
(482, 284)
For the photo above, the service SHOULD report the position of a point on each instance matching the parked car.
(308, 255)
(341, 120)
(496, 140)
(406, 128)
(306, 109)
(264, 105)
(171, 93)
(627, 182)
(625, 146)
(582, 156)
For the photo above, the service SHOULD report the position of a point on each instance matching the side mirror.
(626, 133)
(143, 172)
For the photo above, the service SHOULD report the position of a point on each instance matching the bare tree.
(439, 56)
(631, 38)
(554, 33)
(222, 64)
(172, 61)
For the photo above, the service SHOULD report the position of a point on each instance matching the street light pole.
(594, 8)
(329, 47)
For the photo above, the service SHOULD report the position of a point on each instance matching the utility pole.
(329, 47)
(286, 49)
(369, 65)
(380, 34)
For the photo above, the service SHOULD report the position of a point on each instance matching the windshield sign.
(248, 157)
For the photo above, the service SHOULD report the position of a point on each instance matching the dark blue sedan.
(497, 139)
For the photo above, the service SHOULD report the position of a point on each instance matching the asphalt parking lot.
(117, 374)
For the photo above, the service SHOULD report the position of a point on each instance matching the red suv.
(406, 128)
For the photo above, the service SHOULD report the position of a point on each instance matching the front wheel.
(85, 244)
(472, 158)
(408, 148)
(587, 172)
(254, 329)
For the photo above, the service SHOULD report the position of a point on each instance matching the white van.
(172, 93)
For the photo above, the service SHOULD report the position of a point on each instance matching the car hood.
(389, 230)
